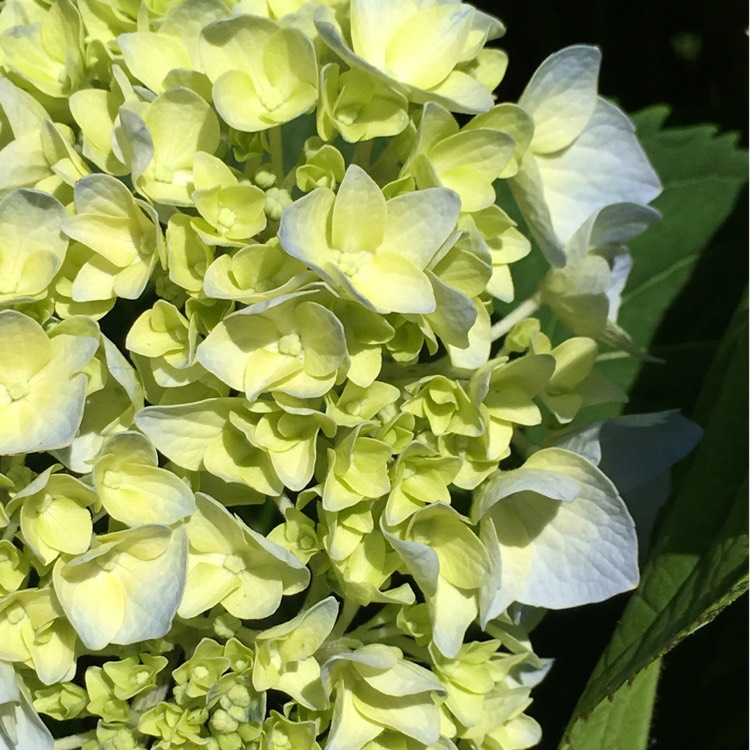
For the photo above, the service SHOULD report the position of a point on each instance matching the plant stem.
(363, 153)
(347, 615)
(525, 310)
(524, 446)
(74, 741)
(10, 530)
(277, 153)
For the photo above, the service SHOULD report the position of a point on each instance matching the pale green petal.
(561, 96)
(564, 553)
(302, 231)
(137, 494)
(393, 283)
(24, 347)
(441, 28)
(462, 558)
(255, 598)
(418, 718)
(359, 213)
(453, 610)
(93, 601)
(207, 584)
(235, 44)
(65, 526)
(302, 683)
(604, 165)
(349, 729)
(212, 528)
(372, 24)
(183, 432)
(461, 93)
(150, 56)
(28, 728)
(402, 679)
(153, 586)
(419, 223)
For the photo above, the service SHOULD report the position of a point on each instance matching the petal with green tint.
(65, 526)
(152, 573)
(419, 223)
(95, 604)
(183, 432)
(33, 246)
(416, 717)
(616, 169)
(441, 28)
(561, 96)
(322, 337)
(461, 93)
(563, 552)
(235, 44)
(462, 558)
(137, 494)
(393, 283)
(302, 230)
(150, 56)
(359, 213)
(207, 584)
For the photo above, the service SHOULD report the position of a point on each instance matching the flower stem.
(74, 741)
(525, 310)
(347, 615)
(363, 153)
(277, 152)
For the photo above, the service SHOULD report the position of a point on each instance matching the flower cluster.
(266, 478)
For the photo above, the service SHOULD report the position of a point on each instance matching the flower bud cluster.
(265, 476)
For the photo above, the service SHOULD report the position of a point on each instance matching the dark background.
(693, 55)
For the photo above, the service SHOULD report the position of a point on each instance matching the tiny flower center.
(15, 614)
(349, 264)
(238, 714)
(123, 740)
(290, 344)
(240, 696)
(141, 676)
(280, 740)
(234, 564)
(112, 480)
(271, 99)
(277, 199)
(200, 672)
(306, 541)
(18, 390)
(106, 562)
(163, 173)
(43, 507)
(222, 722)
(348, 114)
(275, 656)
(227, 217)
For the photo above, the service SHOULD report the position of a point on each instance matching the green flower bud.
(132, 676)
(61, 701)
(277, 199)
(196, 676)
(14, 567)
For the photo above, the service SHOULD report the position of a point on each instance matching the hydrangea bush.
(275, 472)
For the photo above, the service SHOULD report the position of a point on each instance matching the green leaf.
(702, 174)
(621, 723)
(699, 563)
